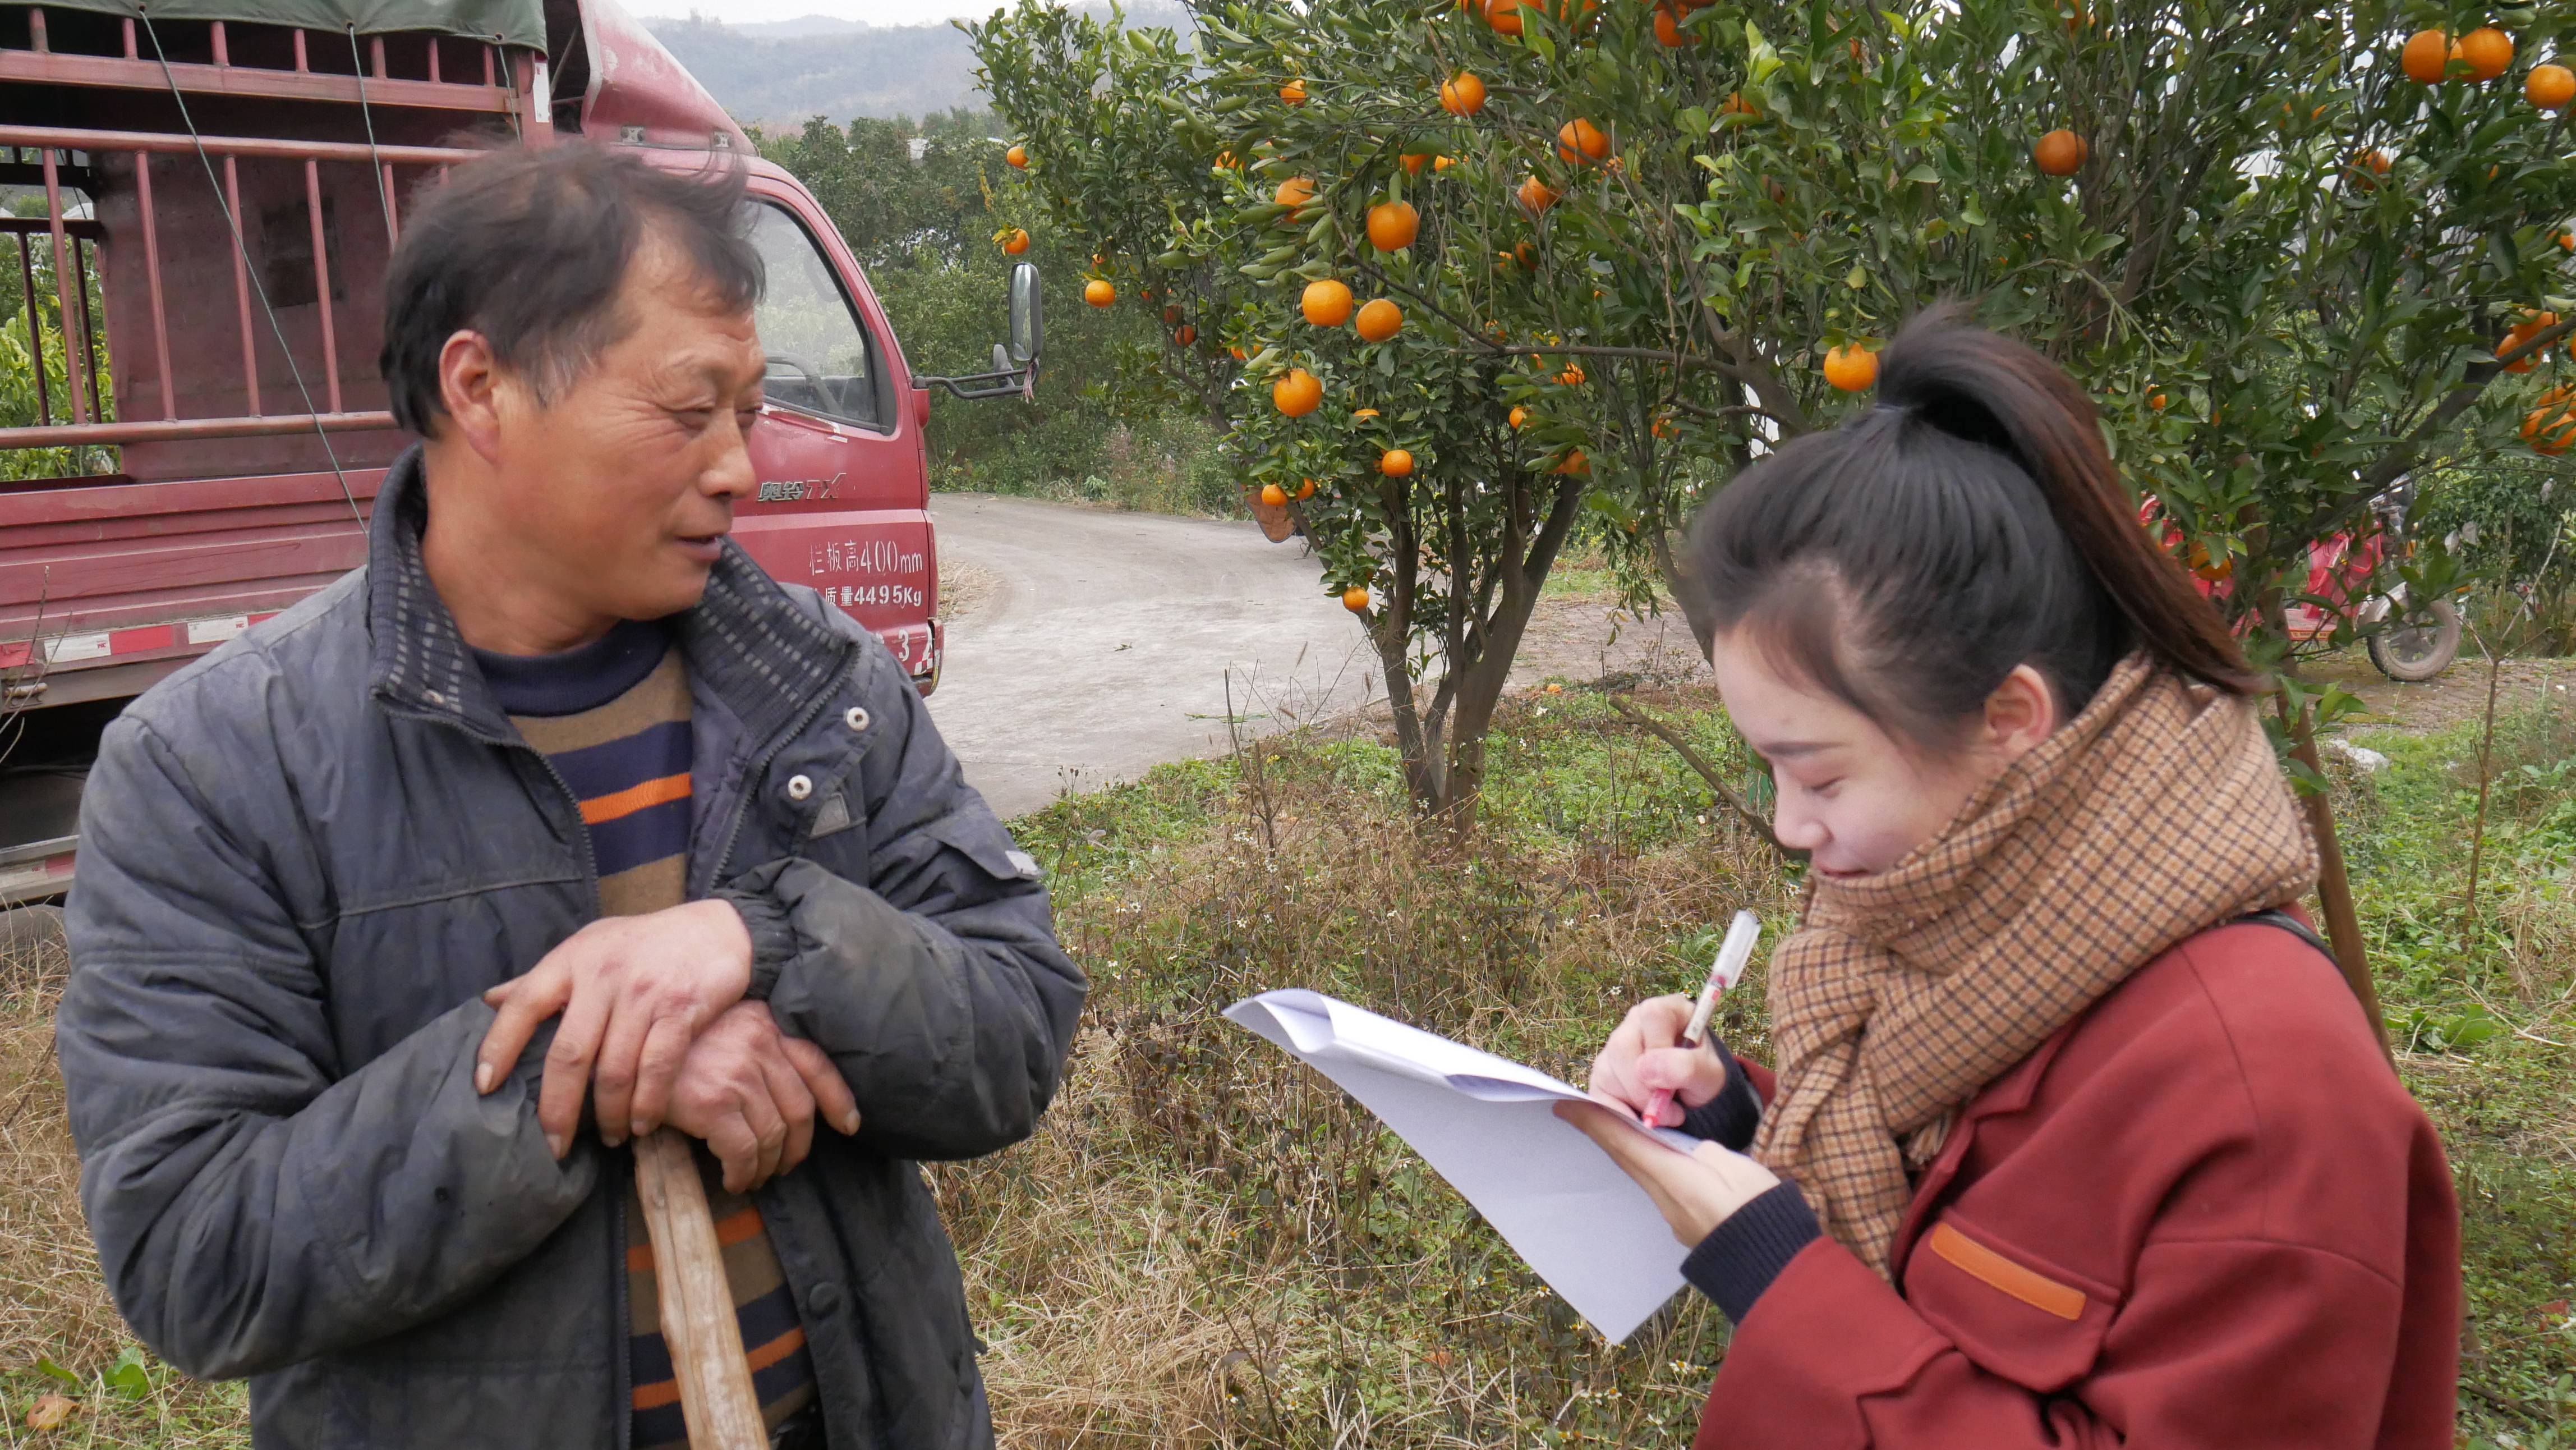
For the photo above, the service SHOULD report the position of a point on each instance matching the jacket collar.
(747, 641)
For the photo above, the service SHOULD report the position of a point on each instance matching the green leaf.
(45, 1366)
(127, 1376)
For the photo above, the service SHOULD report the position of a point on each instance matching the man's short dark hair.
(528, 248)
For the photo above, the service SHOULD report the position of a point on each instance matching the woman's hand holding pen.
(1698, 1190)
(1646, 1055)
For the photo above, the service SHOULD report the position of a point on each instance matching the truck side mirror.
(1015, 363)
(1028, 325)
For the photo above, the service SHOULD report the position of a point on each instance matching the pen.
(1741, 935)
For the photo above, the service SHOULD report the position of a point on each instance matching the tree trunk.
(1424, 776)
(2334, 886)
(1686, 594)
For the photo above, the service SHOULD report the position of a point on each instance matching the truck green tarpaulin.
(509, 22)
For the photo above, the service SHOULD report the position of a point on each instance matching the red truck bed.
(218, 274)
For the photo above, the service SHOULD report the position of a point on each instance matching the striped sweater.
(612, 718)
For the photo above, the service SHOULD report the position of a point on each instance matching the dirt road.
(1095, 645)
(1086, 646)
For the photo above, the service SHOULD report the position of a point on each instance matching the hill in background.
(777, 74)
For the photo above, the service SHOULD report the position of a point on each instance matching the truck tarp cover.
(511, 22)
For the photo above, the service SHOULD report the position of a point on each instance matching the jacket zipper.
(622, 1326)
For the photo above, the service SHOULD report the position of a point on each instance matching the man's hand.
(634, 992)
(751, 1091)
(1645, 1054)
(1697, 1190)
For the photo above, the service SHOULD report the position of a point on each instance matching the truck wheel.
(2419, 645)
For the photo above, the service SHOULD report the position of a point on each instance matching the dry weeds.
(1207, 1245)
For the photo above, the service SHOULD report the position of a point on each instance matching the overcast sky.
(874, 12)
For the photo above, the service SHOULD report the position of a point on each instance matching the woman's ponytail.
(1992, 389)
(1970, 523)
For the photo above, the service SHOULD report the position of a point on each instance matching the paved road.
(1105, 645)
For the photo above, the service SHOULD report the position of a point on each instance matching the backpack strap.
(2274, 916)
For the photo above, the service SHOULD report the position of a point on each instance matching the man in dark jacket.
(560, 747)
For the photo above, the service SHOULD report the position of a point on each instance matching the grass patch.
(1207, 1245)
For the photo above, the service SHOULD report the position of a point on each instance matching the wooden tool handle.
(698, 1323)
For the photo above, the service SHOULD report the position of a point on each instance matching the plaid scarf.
(2156, 813)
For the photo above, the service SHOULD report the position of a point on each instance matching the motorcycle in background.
(2408, 640)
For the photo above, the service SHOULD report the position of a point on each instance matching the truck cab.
(202, 213)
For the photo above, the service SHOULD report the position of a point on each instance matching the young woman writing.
(2077, 1138)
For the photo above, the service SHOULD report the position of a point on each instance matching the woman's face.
(1854, 797)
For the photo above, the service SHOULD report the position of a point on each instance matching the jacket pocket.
(2011, 1312)
(984, 841)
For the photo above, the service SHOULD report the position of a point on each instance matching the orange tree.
(1360, 398)
(2295, 258)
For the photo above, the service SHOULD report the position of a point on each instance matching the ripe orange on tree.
(1295, 191)
(1359, 413)
(1579, 141)
(1572, 377)
(1016, 240)
(1736, 105)
(1573, 464)
(1294, 93)
(2522, 332)
(1536, 195)
(2549, 86)
(1186, 335)
(1379, 320)
(1519, 416)
(2488, 51)
(1668, 28)
(2551, 427)
(1395, 463)
(1018, 156)
(1664, 426)
(1392, 225)
(1297, 394)
(2156, 400)
(1305, 488)
(2059, 153)
(1462, 94)
(1172, 314)
(1273, 495)
(1356, 599)
(1504, 16)
(1850, 367)
(1413, 161)
(1442, 163)
(1327, 303)
(2426, 57)
(1098, 292)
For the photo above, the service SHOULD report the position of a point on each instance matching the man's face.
(621, 489)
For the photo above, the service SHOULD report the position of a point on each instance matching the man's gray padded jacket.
(304, 858)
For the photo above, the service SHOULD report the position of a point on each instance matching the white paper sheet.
(1487, 1125)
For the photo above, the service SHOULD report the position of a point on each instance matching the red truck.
(202, 212)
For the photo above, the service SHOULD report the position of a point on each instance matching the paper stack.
(1486, 1124)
